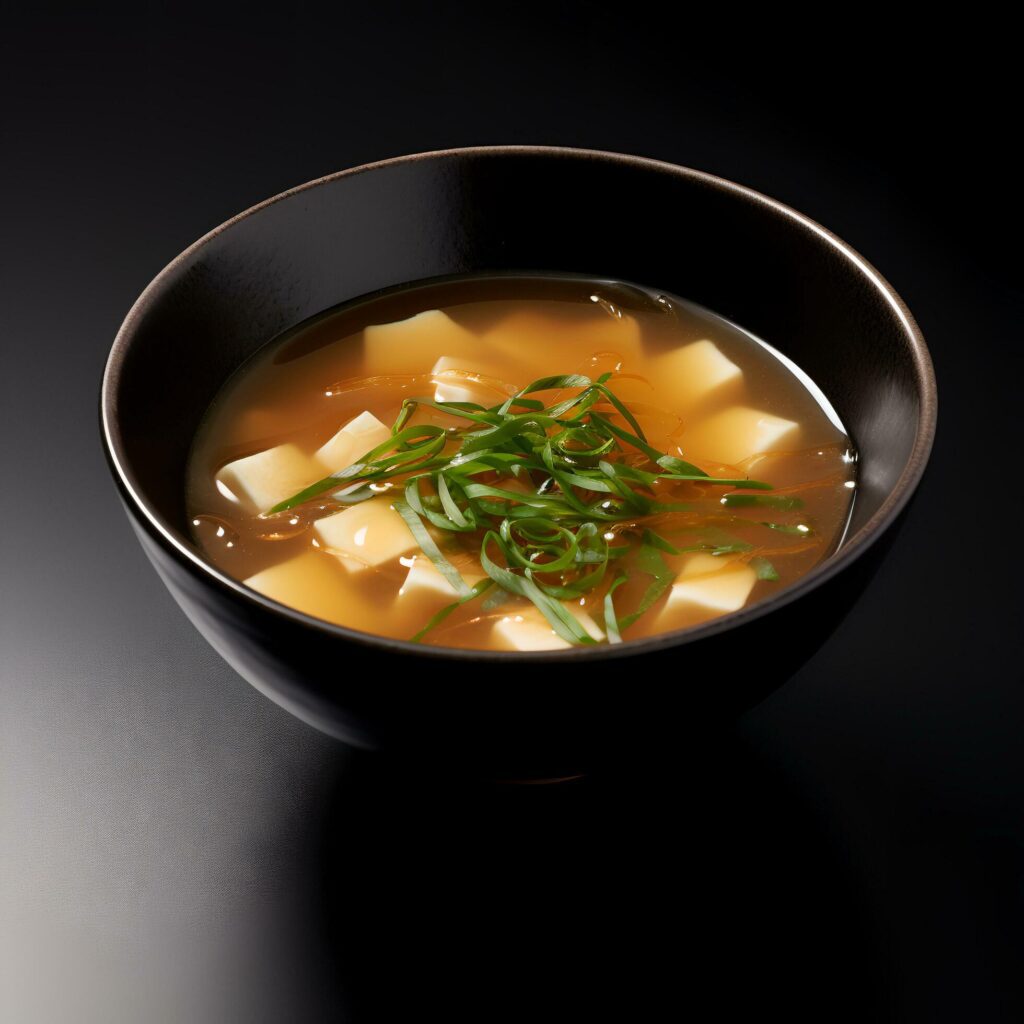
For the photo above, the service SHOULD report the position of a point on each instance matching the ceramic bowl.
(523, 209)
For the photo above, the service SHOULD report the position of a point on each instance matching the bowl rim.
(852, 548)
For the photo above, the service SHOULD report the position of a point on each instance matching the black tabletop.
(174, 847)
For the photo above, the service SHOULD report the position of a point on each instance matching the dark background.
(173, 847)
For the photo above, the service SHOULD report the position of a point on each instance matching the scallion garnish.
(764, 569)
(550, 494)
(780, 501)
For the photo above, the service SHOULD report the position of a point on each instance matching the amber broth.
(306, 385)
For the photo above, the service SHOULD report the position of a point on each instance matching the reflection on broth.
(518, 463)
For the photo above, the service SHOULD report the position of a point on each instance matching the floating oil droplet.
(292, 523)
(214, 534)
(602, 362)
(628, 298)
(608, 306)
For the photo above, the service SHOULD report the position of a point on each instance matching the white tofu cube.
(356, 438)
(694, 373)
(556, 344)
(528, 630)
(313, 583)
(424, 583)
(700, 564)
(371, 532)
(261, 481)
(412, 345)
(460, 379)
(709, 594)
(735, 434)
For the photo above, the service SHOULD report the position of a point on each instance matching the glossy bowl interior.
(499, 209)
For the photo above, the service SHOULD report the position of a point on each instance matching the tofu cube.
(412, 345)
(371, 532)
(261, 481)
(735, 434)
(709, 594)
(568, 343)
(700, 564)
(425, 584)
(313, 583)
(693, 374)
(357, 437)
(528, 630)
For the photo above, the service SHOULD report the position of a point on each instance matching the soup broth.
(387, 467)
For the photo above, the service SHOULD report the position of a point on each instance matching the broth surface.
(701, 388)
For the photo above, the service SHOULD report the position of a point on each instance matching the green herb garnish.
(650, 561)
(764, 569)
(779, 501)
(443, 614)
(538, 488)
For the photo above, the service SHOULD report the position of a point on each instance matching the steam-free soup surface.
(618, 492)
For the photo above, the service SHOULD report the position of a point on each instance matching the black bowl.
(526, 209)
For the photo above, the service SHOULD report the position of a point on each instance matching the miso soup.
(520, 464)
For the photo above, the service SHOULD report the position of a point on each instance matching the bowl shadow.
(667, 882)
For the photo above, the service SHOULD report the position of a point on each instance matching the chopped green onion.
(650, 561)
(780, 501)
(764, 569)
(443, 614)
(551, 535)
(611, 622)
(431, 550)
